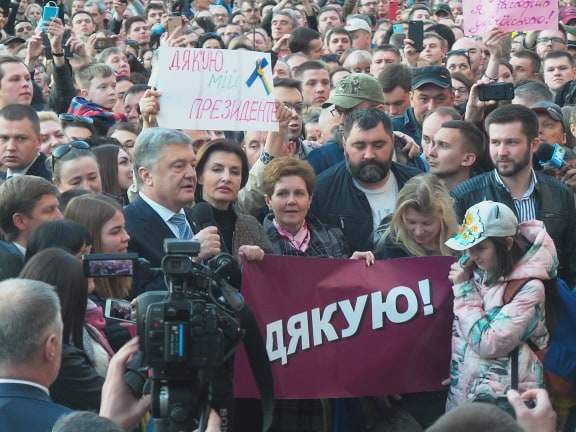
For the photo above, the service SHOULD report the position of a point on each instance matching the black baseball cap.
(436, 75)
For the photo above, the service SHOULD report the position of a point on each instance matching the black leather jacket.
(554, 206)
(338, 203)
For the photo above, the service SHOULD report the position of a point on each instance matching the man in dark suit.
(30, 354)
(165, 167)
(25, 203)
(30, 357)
(20, 143)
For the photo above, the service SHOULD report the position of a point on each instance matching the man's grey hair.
(85, 421)
(290, 14)
(150, 144)
(28, 310)
(530, 92)
(98, 3)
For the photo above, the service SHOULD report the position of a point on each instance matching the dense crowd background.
(386, 149)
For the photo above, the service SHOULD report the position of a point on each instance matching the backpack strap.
(512, 288)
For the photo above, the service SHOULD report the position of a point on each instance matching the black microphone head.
(203, 215)
(544, 152)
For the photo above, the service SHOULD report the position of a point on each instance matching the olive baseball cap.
(355, 89)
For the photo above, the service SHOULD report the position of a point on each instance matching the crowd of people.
(386, 148)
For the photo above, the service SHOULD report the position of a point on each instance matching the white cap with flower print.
(483, 220)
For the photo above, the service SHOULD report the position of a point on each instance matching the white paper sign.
(213, 89)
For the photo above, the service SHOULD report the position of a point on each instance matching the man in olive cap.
(355, 91)
(352, 92)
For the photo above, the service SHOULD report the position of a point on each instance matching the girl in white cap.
(487, 329)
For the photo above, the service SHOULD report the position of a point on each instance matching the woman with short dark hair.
(222, 170)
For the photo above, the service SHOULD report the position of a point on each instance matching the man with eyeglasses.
(250, 12)
(475, 53)
(20, 143)
(288, 141)
(550, 40)
(367, 7)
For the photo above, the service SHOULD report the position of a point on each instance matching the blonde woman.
(424, 219)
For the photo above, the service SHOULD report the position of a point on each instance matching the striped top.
(526, 205)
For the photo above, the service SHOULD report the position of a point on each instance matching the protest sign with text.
(335, 328)
(213, 89)
(509, 15)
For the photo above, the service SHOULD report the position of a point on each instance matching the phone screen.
(173, 23)
(49, 13)
(110, 268)
(120, 310)
(416, 34)
(397, 28)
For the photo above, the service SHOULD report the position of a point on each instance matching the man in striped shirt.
(513, 139)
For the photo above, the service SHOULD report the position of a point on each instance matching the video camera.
(186, 334)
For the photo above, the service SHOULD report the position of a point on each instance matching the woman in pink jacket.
(486, 331)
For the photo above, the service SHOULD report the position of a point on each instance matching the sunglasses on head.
(63, 149)
(76, 118)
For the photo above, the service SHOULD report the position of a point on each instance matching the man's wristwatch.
(266, 157)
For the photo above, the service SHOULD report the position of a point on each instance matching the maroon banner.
(335, 328)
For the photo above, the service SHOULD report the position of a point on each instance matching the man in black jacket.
(513, 132)
(20, 143)
(25, 203)
(356, 194)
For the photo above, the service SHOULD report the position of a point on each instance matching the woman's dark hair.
(506, 259)
(69, 195)
(107, 157)
(226, 146)
(63, 234)
(207, 36)
(64, 272)
(505, 262)
(206, 23)
(459, 76)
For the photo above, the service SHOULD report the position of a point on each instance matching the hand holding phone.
(174, 21)
(120, 310)
(49, 13)
(416, 34)
(495, 92)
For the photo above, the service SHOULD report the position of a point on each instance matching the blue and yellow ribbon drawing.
(259, 72)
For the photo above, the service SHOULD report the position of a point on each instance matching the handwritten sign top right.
(509, 15)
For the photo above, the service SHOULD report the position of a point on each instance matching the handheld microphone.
(552, 156)
(203, 215)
